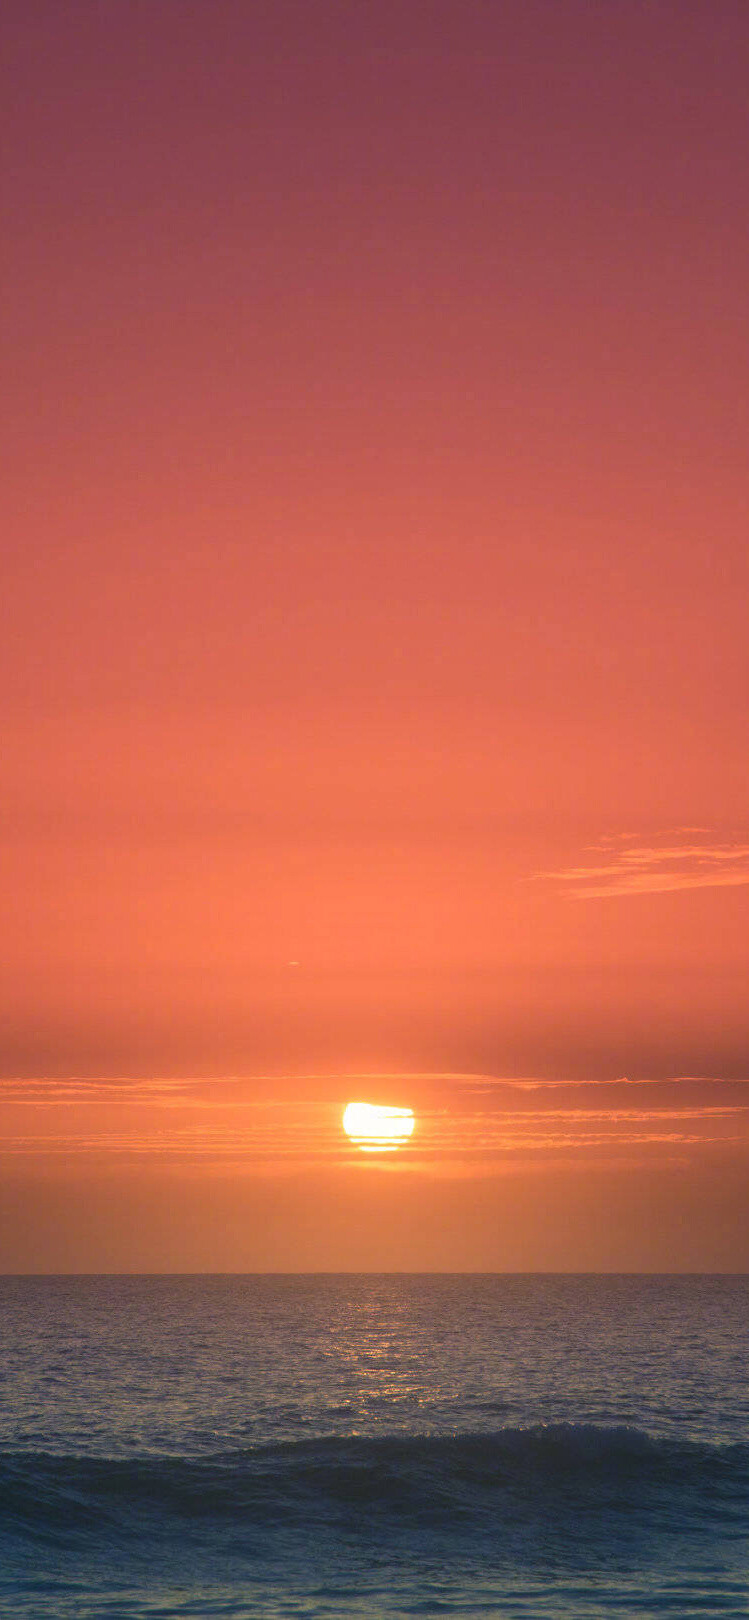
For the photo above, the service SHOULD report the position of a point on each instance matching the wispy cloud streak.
(489, 1120)
(655, 868)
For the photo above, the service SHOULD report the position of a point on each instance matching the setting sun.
(376, 1129)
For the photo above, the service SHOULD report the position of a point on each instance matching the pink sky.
(375, 565)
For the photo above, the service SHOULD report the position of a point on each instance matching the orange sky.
(375, 579)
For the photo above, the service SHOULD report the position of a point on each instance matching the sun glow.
(376, 1129)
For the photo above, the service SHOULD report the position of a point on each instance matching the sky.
(374, 654)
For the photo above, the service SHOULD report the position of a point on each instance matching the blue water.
(362, 1446)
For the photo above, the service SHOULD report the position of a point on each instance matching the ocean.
(241, 1446)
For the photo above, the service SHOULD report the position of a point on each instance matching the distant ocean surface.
(523, 1446)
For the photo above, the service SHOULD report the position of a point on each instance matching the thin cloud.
(172, 1122)
(237, 1092)
(655, 868)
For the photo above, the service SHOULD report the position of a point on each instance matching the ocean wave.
(574, 1477)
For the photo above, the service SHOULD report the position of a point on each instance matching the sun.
(376, 1129)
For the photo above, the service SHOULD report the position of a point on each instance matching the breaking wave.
(575, 1478)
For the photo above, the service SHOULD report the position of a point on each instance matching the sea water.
(525, 1446)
